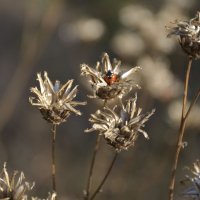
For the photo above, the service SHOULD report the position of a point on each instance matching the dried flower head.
(13, 187)
(193, 192)
(120, 130)
(55, 102)
(50, 197)
(189, 35)
(107, 80)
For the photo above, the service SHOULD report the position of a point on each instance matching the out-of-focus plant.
(50, 197)
(13, 186)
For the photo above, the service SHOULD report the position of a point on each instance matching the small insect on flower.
(120, 129)
(189, 35)
(111, 78)
(107, 80)
(13, 187)
(55, 102)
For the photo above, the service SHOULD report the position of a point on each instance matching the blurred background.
(59, 35)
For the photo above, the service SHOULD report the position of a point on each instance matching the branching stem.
(89, 181)
(105, 177)
(184, 116)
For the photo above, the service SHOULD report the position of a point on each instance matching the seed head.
(55, 102)
(120, 130)
(189, 35)
(193, 191)
(13, 187)
(107, 80)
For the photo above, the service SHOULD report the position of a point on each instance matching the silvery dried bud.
(189, 35)
(107, 80)
(50, 197)
(120, 129)
(14, 186)
(193, 191)
(55, 102)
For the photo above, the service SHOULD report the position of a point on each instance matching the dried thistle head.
(120, 130)
(13, 187)
(50, 197)
(107, 80)
(55, 102)
(193, 191)
(189, 35)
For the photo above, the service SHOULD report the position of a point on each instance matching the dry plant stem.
(89, 182)
(192, 104)
(53, 166)
(181, 132)
(186, 87)
(105, 177)
(96, 148)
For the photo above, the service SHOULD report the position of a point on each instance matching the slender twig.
(105, 177)
(192, 104)
(186, 87)
(181, 132)
(53, 166)
(89, 181)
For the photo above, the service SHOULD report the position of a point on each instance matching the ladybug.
(111, 78)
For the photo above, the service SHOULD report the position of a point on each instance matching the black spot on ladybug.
(111, 78)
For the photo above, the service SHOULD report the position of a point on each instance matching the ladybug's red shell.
(111, 79)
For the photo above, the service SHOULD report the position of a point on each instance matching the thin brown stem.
(89, 181)
(105, 177)
(186, 88)
(181, 132)
(53, 165)
(192, 104)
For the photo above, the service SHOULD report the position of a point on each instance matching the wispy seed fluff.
(189, 35)
(193, 190)
(55, 102)
(107, 80)
(13, 186)
(120, 129)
